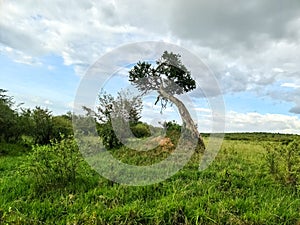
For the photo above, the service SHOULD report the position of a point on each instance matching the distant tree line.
(30, 126)
(40, 126)
(260, 136)
(117, 119)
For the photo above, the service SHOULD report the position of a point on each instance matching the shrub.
(108, 136)
(283, 161)
(272, 158)
(292, 162)
(173, 131)
(172, 125)
(54, 165)
(61, 125)
(141, 130)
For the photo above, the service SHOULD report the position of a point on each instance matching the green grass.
(235, 189)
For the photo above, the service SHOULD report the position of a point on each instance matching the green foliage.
(172, 125)
(12, 149)
(114, 114)
(85, 125)
(260, 136)
(54, 165)
(141, 130)
(283, 161)
(169, 74)
(9, 129)
(234, 189)
(26, 121)
(61, 125)
(272, 157)
(37, 125)
(125, 105)
(108, 135)
(169, 77)
(173, 131)
(42, 125)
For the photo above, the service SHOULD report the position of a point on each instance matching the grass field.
(237, 188)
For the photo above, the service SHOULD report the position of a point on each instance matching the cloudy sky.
(252, 47)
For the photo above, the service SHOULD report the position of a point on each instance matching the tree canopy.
(117, 117)
(38, 125)
(168, 77)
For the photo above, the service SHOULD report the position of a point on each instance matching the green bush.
(61, 125)
(9, 129)
(283, 160)
(108, 136)
(54, 165)
(12, 149)
(141, 130)
(272, 158)
(173, 131)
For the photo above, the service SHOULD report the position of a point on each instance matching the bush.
(173, 131)
(54, 165)
(172, 125)
(61, 125)
(283, 160)
(108, 136)
(141, 130)
(13, 149)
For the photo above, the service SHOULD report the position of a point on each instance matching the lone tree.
(114, 114)
(169, 77)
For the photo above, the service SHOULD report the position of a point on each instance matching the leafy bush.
(61, 125)
(172, 125)
(54, 165)
(283, 160)
(9, 129)
(12, 149)
(141, 130)
(40, 126)
(109, 138)
(173, 131)
(271, 158)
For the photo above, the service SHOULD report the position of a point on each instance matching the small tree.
(9, 129)
(61, 125)
(42, 120)
(114, 114)
(54, 165)
(169, 77)
(283, 160)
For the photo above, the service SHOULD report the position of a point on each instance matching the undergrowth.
(53, 185)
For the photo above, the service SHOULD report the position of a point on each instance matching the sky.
(252, 48)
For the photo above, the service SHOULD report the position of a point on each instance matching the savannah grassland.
(237, 188)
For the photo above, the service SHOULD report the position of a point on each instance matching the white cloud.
(290, 85)
(80, 32)
(50, 67)
(249, 47)
(202, 110)
(251, 39)
(48, 102)
(237, 122)
(277, 70)
(256, 122)
(19, 56)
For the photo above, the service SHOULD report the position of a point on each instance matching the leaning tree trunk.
(187, 120)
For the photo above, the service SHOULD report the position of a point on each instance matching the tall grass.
(237, 188)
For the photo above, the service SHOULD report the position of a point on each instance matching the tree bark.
(188, 122)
